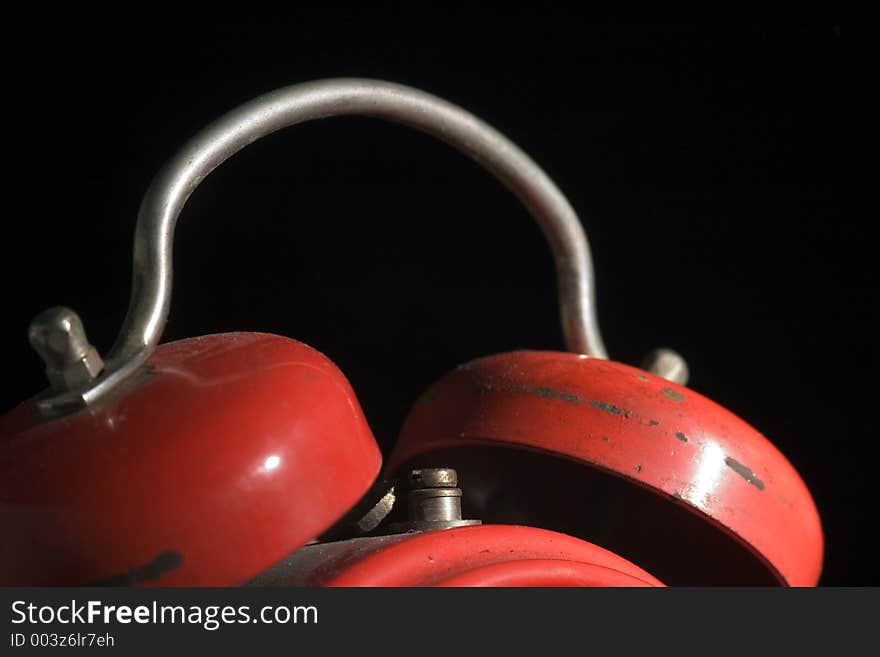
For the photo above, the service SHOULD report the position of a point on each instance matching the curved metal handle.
(169, 191)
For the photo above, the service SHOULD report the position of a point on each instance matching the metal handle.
(169, 191)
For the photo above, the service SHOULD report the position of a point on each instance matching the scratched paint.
(674, 395)
(610, 408)
(546, 393)
(553, 394)
(571, 398)
(744, 472)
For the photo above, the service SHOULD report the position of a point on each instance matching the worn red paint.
(638, 426)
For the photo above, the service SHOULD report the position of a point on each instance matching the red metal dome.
(481, 555)
(225, 454)
(660, 436)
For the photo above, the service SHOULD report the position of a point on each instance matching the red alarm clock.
(245, 458)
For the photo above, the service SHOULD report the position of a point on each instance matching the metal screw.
(434, 495)
(433, 502)
(58, 336)
(668, 364)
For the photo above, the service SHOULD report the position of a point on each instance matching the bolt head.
(433, 478)
(668, 364)
(58, 336)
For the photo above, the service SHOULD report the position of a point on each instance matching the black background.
(710, 162)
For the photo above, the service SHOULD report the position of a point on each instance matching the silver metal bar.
(151, 294)
(169, 191)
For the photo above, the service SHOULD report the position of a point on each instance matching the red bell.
(637, 463)
(211, 464)
(245, 458)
